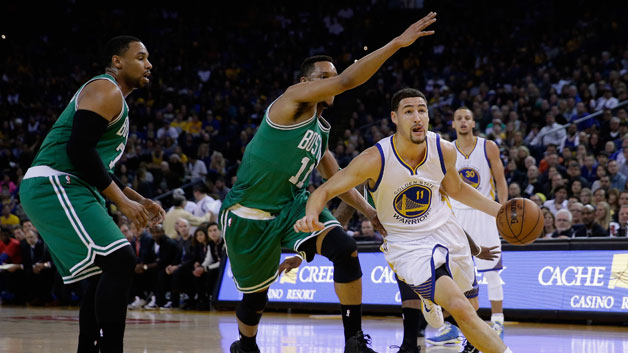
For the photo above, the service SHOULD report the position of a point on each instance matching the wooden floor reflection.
(43, 330)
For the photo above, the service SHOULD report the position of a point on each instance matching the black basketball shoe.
(359, 343)
(235, 348)
(469, 348)
(405, 349)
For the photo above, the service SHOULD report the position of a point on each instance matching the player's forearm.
(475, 249)
(502, 192)
(355, 200)
(113, 193)
(317, 201)
(473, 198)
(133, 195)
(360, 71)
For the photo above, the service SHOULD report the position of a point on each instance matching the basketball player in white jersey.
(425, 246)
(480, 166)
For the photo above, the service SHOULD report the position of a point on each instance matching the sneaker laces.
(364, 340)
(444, 329)
(468, 347)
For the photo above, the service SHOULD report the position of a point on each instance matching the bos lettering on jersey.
(312, 142)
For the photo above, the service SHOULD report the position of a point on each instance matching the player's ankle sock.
(498, 318)
(507, 350)
(411, 319)
(351, 319)
(248, 343)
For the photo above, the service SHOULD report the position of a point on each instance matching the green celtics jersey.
(110, 146)
(277, 163)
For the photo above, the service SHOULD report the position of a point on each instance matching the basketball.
(520, 221)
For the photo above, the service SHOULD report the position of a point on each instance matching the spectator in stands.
(575, 173)
(8, 218)
(606, 101)
(189, 253)
(207, 271)
(204, 203)
(622, 231)
(538, 199)
(177, 212)
(588, 170)
(141, 243)
(575, 188)
(618, 180)
(534, 185)
(600, 194)
(589, 227)
(559, 201)
(220, 188)
(162, 252)
(11, 256)
(603, 215)
(38, 271)
(514, 191)
(575, 209)
(367, 232)
(189, 206)
(549, 226)
(550, 133)
(563, 225)
(586, 196)
(196, 168)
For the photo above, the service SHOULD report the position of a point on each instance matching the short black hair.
(405, 93)
(117, 46)
(200, 187)
(308, 64)
(464, 107)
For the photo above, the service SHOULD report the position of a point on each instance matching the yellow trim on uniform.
(404, 162)
(466, 156)
(492, 183)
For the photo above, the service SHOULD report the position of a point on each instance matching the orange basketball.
(520, 221)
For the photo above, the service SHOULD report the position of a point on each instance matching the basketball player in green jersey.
(61, 194)
(270, 194)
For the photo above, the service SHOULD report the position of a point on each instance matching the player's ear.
(303, 79)
(117, 62)
(393, 117)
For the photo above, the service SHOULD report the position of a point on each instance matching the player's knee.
(251, 307)
(342, 250)
(460, 308)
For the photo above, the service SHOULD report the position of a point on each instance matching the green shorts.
(72, 218)
(254, 245)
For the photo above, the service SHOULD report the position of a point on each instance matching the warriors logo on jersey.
(470, 176)
(413, 201)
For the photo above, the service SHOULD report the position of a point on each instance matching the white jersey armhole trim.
(285, 127)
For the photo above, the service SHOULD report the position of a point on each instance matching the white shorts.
(483, 230)
(415, 261)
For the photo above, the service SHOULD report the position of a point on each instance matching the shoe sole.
(444, 343)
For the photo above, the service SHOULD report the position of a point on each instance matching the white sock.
(498, 318)
(507, 350)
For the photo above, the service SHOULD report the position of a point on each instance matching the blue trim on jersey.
(440, 155)
(412, 170)
(381, 171)
(486, 156)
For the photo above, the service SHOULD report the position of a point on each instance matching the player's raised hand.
(308, 224)
(416, 30)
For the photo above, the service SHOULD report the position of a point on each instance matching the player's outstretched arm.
(461, 191)
(364, 167)
(319, 90)
(327, 168)
(497, 169)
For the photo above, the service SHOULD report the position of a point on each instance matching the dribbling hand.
(308, 224)
(157, 213)
(289, 263)
(488, 253)
(135, 213)
(416, 30)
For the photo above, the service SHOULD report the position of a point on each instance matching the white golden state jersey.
(475, 170)
(408, 201)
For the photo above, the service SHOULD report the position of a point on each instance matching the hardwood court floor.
(44, 330)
